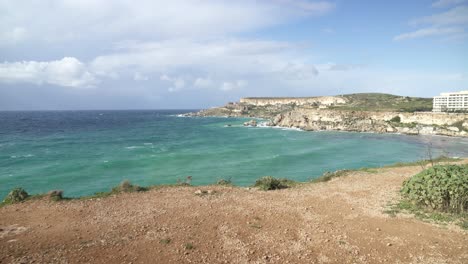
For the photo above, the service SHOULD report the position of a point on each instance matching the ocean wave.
(286, 128)
(134, 147)
(22, 156)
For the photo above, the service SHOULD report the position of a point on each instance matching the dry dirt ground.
(340, 221)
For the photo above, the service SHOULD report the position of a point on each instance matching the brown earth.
(340, 221)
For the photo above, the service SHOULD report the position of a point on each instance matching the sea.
(84, 152)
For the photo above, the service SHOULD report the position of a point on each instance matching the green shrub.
(270, 183)
(15, 196)
(126, 186)
(442, 187)
(396, 119)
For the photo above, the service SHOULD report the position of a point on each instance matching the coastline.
(350, 121)
(344, 220)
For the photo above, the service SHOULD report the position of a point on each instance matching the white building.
(451, 102)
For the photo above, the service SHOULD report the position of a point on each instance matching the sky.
(192, 54)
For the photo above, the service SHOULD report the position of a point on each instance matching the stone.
(252, 123)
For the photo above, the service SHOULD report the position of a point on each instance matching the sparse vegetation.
(186, 182)
(327, 176)
(406, 206)
(460, 126)
(189, 246)
(256, 226)
(225, 182)
(165, 241)
(443, 188)
(123, 187)
(126, 186)
(423, 162)
(55, 195)
(270, 183)
(15, 196)
(396, 119)
(385, 102)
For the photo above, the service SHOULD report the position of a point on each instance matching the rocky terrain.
(380, 122)
(340, 221)
(359, 113)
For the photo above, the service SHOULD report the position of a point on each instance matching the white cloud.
(177, 83)
(310, 7)
(203, 83)
(445, 3)
(140, 77)
(338, 67)
(71, 20)
(455, 16)
(219, 58)
(164, 77)
(451, 24)
(13, 36)
(229, 86)
(429, 32)
(68, 72)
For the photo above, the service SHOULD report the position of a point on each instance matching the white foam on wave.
(148, 144)
(286, 128)
(181, 115)
(22, 156)
(133, 147)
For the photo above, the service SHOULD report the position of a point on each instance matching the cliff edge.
(380, 113)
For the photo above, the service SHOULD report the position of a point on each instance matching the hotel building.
(451, 102)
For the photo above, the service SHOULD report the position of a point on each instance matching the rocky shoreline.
(324, 119)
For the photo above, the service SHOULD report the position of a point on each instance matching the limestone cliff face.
(380, 122)
(323, 100)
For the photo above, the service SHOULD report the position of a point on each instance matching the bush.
(126, 186)
(270, 183)
(396, 119)
(15, 196)
(441, 187)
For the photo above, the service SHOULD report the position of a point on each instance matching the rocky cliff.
(318, 101)
(426, 123)
(330, 113)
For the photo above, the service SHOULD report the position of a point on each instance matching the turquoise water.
(83, 152)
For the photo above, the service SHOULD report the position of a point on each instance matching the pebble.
(378, 229)
(389, 244)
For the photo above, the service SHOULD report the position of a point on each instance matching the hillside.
(269, 107)
(385, 102)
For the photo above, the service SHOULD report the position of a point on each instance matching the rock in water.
(251, 123)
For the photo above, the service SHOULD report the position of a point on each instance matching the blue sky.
(122, 54)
